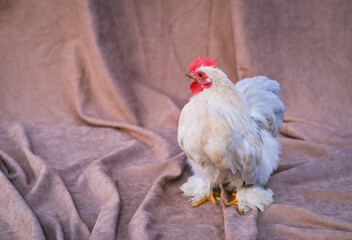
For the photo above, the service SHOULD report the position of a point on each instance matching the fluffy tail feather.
(261, 96)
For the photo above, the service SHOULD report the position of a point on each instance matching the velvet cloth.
(91, 92)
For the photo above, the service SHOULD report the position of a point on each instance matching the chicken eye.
(200, 75)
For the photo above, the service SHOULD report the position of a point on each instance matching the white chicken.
(228, 134)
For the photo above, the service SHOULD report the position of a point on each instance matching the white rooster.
(228, 133)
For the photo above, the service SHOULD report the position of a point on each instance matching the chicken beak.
(188, 75)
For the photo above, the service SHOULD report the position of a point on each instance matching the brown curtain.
(91, 91)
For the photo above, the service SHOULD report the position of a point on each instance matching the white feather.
(261, 96)
(254, 197)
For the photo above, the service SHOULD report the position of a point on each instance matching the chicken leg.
(235, 203)
(211, 198)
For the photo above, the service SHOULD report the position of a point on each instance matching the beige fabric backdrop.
(90, 94)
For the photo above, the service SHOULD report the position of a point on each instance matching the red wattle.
(197, 88)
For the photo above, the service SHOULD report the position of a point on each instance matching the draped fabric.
(91, 92)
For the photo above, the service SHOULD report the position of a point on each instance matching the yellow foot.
(211, 198)
(235, 202)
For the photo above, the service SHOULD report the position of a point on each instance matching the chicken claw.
(235, 202)
(211, 198)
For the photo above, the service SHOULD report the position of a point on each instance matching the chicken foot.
(211, 198)
(235, 203)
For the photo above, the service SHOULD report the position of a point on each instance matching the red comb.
(199, 62)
